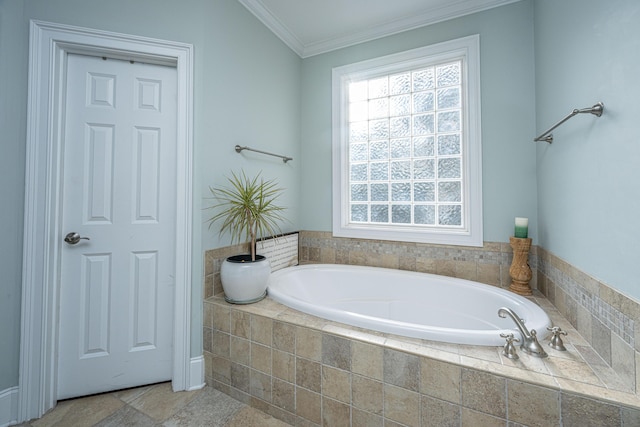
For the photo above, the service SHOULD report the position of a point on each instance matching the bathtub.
(406, 303)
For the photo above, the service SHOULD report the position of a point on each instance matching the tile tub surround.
(308, 371)
(605, 318)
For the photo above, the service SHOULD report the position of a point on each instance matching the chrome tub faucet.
(530, 344)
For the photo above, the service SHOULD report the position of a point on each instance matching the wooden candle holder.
(520, 271)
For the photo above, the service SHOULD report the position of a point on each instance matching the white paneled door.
(117, 273)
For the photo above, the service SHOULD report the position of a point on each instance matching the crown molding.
(438, 14)
(273, 23)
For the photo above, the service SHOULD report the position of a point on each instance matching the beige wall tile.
(402, 369)
(284, 336)
(365, 419)
(220, 344)
(533, 406)
(308, 374)
(367, 394)
(583, 412)
(401, 405)
(221, 318)
(240, 377)
(261, 329)
(438, 413)
(308, 405)
(336, 351)
(309, 344)
(240, 350)
(260, 385)
(440, 380)
(335, 414)
(283, 395)
(336, 384)
(283, 366)
(471, 418)
(221, 369)
(484, 392)
(241, 324)
(367, 360)
(261, 358)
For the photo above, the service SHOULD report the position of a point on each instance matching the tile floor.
(155, 405)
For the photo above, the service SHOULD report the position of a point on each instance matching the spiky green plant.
(247, 209)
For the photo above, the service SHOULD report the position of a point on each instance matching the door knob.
(73, 238)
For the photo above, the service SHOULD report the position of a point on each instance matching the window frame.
(467, 49)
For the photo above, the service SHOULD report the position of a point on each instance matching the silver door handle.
(73, 238)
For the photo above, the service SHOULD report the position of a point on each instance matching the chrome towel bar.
(285, 159)
(547, 136)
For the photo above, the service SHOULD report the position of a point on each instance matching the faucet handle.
(509, 350)
(556, 341)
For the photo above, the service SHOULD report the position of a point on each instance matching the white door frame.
(48, 49)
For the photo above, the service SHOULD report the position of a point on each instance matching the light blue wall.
(589, 178)
(247, 91)
(508, 102)
(13, 104)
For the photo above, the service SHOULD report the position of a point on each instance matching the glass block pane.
(380, 171)
(358, 152)
(424, 214)
(423, 79)
(359, 213)
(358, 131)
(400, 83)
(401, 170)
(359, 172)
(401, 192)
(379, 192)
(449, 121)
(379, 108)
(401, 214)
(449, 144)
(423, 102)
(400, 105)
(423, 124)
(423, 146)
(449, 168)
(379, 213)
(379, 129)
(450, 215)
(358, 111)
(400, 148)
(400, 126)
(424, 169)
(379, 87)
(450, 191)
(449, 98)
(358, 91)
(424, 192)
(379, 150)
(448, 75)
(359, 193)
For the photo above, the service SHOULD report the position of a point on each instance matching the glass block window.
(405, 153)
(406, 145)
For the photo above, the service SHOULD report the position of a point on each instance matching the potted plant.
(247, 210)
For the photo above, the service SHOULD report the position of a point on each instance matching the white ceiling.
(311, 27)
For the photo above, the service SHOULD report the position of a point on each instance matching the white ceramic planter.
(245, 281)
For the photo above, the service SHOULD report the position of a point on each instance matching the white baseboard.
(196, 373)
(8, 406)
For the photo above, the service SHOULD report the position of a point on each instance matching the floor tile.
(160, 402)
(210, 408)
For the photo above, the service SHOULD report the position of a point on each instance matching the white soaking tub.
(411, 304)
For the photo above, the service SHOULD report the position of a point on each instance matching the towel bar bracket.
(547, 136)
(285, 159)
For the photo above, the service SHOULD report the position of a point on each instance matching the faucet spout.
(530, 344)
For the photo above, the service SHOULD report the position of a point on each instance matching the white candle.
(522, 228)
